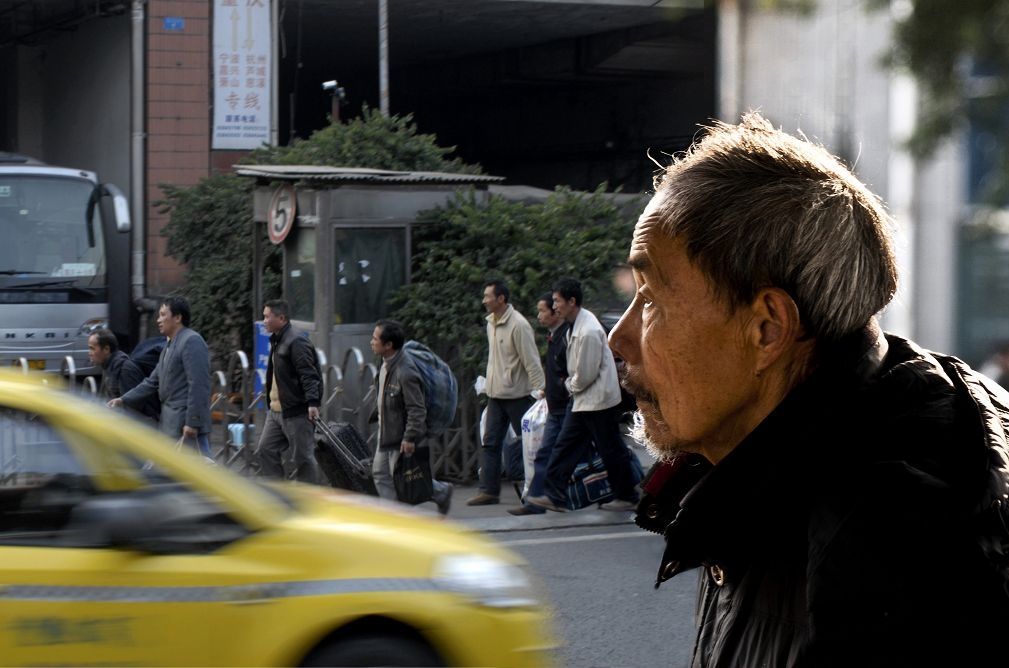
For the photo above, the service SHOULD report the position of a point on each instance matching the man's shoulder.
(521, 322)
(188, 336)
(115, 361)
(405, 364)
(124, 362)
(586, 322)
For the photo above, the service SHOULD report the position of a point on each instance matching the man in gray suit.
(181, 380)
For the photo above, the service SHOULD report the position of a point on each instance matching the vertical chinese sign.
(242, 74)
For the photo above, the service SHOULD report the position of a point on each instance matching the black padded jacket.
(862, 523)
(294, 366)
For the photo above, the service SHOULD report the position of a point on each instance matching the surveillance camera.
(329, 85)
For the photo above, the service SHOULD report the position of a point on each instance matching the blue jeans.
(203, 440)
(500, 412)
(551, 430)
(202, 444)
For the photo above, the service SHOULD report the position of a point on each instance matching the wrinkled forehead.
(648, 234)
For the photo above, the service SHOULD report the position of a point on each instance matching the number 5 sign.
(280, 217)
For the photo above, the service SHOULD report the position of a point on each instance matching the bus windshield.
(49, 251)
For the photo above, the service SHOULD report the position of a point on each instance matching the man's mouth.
(631, 384)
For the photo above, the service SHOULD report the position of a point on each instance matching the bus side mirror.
(104, 196)
(120, 206)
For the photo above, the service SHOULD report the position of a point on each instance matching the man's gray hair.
(756, 208)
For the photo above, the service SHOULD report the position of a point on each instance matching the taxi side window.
(59, 488)
(41, 479)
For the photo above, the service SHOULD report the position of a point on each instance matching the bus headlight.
(485, 580)
(91, 326)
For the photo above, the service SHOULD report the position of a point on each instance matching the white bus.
(64, 264)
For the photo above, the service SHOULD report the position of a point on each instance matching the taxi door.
(72, 606)
(66, 598)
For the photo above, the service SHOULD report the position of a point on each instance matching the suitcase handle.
(323, 427)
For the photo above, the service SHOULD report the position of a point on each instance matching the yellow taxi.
(117, 549)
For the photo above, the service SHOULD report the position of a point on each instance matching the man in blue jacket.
(555, 371)
(594, 414)
(294, 391)
(120, 374)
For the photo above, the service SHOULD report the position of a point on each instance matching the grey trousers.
(382, 467)
(288, 441)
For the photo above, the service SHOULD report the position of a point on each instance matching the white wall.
(822, 75)
(74, 99)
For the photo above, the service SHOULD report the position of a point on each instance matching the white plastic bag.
(509, 437)
(533, 423)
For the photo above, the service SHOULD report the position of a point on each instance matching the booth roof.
(338, 175)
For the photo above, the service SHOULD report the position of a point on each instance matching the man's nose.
(622, 343)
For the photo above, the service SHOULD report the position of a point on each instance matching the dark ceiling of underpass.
(559, 83)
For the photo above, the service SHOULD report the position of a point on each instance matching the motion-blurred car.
(117, 549)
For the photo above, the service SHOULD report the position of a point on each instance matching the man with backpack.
(401, 410)
(120, 374)
(294, 392)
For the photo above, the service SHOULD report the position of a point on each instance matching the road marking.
(579, 539)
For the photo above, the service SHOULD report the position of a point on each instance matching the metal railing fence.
(238, 411)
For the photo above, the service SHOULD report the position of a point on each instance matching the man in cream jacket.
(514, 372)
(595, 409)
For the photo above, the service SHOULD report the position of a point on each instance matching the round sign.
(280, 217)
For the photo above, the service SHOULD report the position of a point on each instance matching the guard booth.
(346, 239)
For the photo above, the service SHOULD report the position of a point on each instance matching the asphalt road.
(600, 580)
(598, 571)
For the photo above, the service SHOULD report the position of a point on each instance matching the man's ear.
(776, 326)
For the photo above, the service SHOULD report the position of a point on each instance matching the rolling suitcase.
(344, 457)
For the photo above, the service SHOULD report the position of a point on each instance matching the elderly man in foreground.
(842, 491)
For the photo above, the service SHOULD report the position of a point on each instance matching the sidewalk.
(496, 518)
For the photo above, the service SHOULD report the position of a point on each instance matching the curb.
(569, 520)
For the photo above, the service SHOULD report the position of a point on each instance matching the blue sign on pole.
(262, 352)
(261, 349)
(174, 24)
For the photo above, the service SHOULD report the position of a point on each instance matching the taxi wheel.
(374, 650)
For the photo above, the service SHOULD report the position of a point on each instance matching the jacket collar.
(391, 362)
(856, 357)
(504, 316)
(279, 334)
(114, 361)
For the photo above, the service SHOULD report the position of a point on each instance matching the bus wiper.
(62, 283)
(15, 272)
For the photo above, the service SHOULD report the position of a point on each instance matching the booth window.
(300, 287)
(369, 264)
